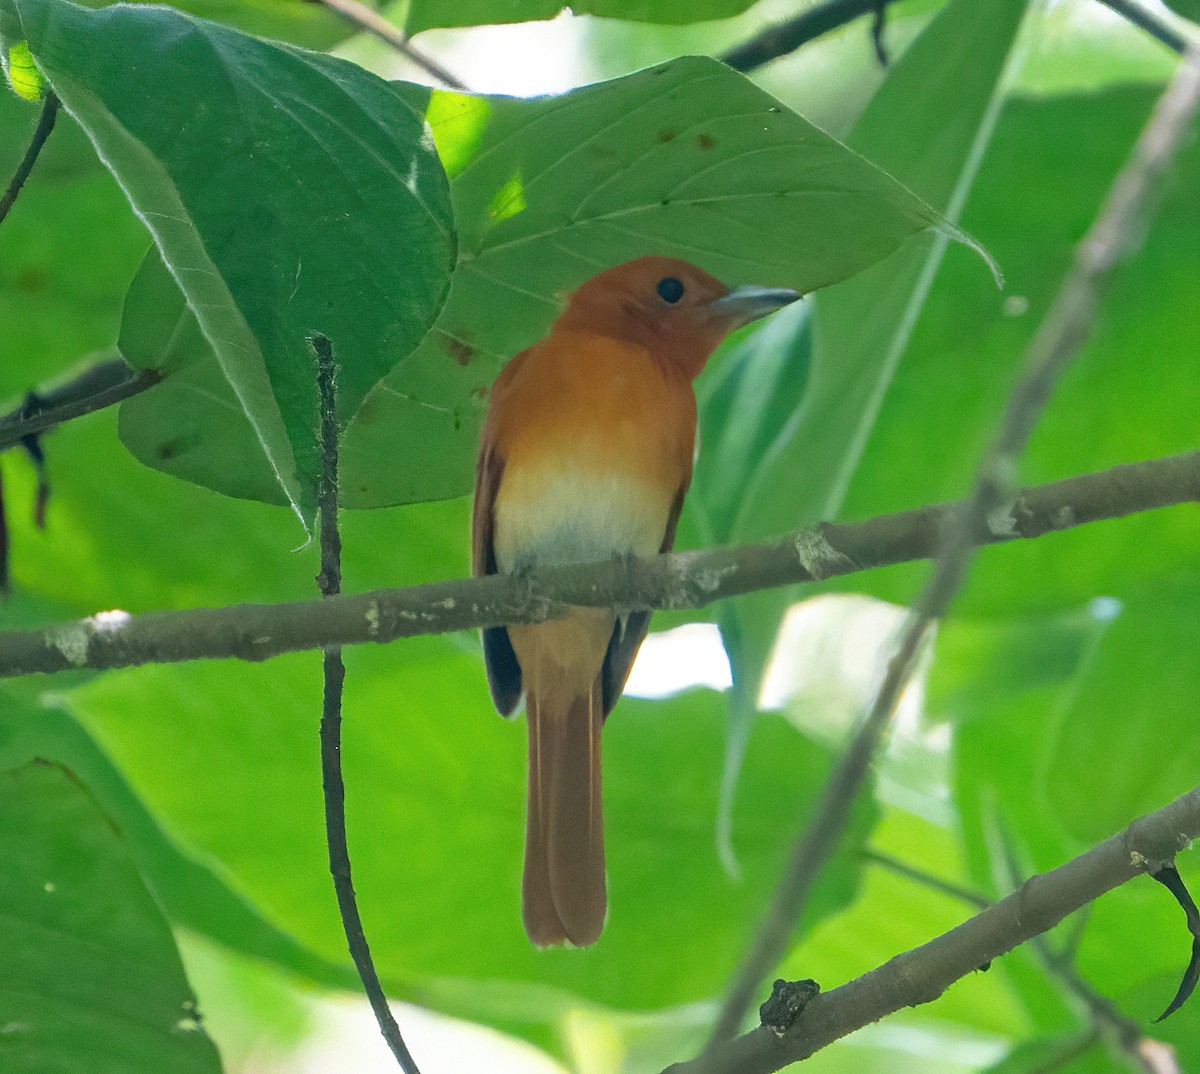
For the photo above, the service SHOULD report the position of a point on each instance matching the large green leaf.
(436, 801)
(687, 159)
(190, 893)
(278, 189)
(299, 21)
(427, 14)
(89, 975)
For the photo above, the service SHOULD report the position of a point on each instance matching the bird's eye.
(670, 290)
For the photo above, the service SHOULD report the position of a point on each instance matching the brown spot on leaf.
(31, 279)
(666, 135)
(168, 449)
(461, 352)
(705, 141)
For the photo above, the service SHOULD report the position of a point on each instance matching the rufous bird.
(586, 454)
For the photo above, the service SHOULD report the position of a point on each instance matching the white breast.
(563, 513)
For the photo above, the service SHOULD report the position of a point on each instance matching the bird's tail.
(563, 895)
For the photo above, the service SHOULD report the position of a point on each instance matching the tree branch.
(678, 580)
(786, 37)
(1149, 21)
(368, 19)
(97, 387)
(924, 973)
(789, 35)
(41, 132)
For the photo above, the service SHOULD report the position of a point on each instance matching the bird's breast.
(597, 441)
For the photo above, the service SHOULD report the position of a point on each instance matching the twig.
(95, 388)
(678, 580)
(1150, 21)
(935, 883)
(878, 26)
(785, 37)
(41, 132)
(366, 18)
(1059, 337)
(922, 974)
(329, 582)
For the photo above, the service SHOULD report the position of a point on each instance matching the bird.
(585, 454)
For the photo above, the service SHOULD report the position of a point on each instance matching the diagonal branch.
(97, 387)
(1065, 328)
(787, 36)
(784, 38)
(924, 973)
(368, 19)
(679, 580)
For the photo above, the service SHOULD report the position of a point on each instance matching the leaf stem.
(41, 132)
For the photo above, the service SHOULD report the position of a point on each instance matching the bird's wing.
(503, 671)
(630, 630)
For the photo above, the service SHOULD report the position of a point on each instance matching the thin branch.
(1058, 339)
(787, 36)
(97, 387)
(1152, 22)
(922, 974)
(919, 876)
(368, 19)
(330, 583)
(678, 580)
(41, 132)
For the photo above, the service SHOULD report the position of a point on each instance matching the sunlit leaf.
(686, 159)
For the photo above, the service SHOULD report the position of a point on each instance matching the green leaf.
(302, 22)
(686, 159)
(427, 14)
(190, 893)
(436, 799)
(23, 75)
(331, 170)
(928, 124)
(89, 974)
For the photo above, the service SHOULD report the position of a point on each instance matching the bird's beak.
(745, 304)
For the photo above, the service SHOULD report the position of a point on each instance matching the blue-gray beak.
(745, 304)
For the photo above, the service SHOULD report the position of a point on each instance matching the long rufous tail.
(563, 895)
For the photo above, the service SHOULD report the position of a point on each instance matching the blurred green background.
(1061, 698)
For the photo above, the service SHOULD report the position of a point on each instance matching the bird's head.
(675, 310)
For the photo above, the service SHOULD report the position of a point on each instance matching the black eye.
(670, 290)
